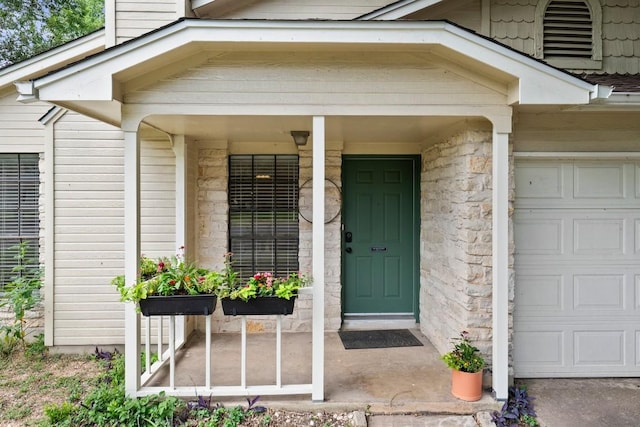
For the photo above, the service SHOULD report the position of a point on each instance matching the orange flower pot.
(466, 386)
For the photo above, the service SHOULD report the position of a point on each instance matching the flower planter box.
(178, 305)
(258, 306)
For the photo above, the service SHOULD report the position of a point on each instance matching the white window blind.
(568, 29)
(263, 214)
(19, 213)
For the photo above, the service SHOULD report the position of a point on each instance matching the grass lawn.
(29, 383)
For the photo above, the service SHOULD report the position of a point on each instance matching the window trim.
(596, 30)
(21, 236)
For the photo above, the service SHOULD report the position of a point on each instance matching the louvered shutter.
(568, 29)
(263, 213)
(19, 213)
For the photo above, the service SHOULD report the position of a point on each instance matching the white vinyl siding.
(137, 17)
(577, 287)
(288, 79)
(20, 130)
(306, 9)
(89, 225)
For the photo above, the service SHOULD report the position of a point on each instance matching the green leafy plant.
(264, 284)
(108, 405)
(267, 285)
(464, 357)
(21, 294)
(169, 276)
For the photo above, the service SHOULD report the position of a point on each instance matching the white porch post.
(179, 149)
(131, 257)
(500, 264)
(317, 377)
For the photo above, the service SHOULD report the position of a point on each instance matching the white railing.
(206, 387)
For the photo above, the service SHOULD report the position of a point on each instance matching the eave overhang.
(52, 59)
(94, 85)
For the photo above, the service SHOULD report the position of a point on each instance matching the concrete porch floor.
(391, 380)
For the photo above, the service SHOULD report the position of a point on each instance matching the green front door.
(380, 236)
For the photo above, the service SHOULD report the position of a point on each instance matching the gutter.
(625, 98)
(27, 92)
(601, 92)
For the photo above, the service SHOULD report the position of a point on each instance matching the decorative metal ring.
(329, 216)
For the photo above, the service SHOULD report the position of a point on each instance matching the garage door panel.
(596, 181)
(540, 293)
(571, 291)
(574, 235)
(577, 350)
(577, 287)
(582, 184)
(599, 292)
(599, 348)
(539, 235)
(540, 348)
(599, 236)
(540, 181)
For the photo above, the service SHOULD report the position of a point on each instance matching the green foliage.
(174, 276)
(169, 276)
(267, 285)
(107, 404)
(28, 28)
(464, 356)
(21, 294)
(37, 349)
(59, 414)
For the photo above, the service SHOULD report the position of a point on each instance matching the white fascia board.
(91, 79)
(52, 58)
(398, 10)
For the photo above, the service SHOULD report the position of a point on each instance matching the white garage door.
(577, 286)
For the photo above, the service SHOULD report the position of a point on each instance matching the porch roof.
(96, 85)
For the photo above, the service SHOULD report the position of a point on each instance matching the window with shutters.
(569, 33)
(263, 213)
(19, 213)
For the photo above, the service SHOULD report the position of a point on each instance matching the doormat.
(383, 338)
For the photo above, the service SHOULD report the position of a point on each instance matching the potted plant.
(171, 286)
(466, 363)
(263, 293)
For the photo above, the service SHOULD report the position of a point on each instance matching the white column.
(179, 149)
(317, 377)
(131, 258)
(500, 261)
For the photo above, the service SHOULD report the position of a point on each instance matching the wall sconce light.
(300, 137)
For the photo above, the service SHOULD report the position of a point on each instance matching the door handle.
(348, 250)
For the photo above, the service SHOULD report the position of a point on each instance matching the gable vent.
(568, 29)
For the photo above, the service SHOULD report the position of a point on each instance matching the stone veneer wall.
(332, 249)
(455, 258)
(212, 233)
